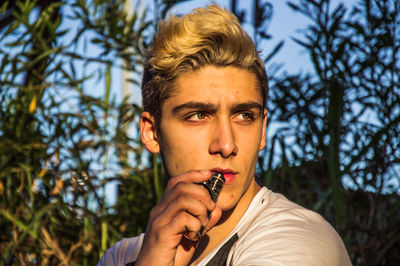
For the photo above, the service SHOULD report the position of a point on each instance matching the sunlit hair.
(208, 36)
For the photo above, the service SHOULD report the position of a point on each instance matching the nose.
(223, 140)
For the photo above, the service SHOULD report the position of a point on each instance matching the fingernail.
(204, 172)
(212, 204)
(204, 225)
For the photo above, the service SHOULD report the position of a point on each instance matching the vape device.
(214, 185)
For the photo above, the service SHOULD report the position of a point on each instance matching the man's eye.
(196, 116)
(246, 117)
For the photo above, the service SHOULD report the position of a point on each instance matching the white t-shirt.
(273, 231)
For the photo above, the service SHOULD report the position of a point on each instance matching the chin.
(226, 204)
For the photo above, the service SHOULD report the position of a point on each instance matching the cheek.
(249, 141)
(181, 155)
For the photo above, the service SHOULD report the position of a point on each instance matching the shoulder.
(122, 252)
(285, 233)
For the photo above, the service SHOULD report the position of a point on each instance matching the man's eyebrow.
(209, 107)
(246, 106)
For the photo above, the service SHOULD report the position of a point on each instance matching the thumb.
(213, 219)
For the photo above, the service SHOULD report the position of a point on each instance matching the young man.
(204, 95)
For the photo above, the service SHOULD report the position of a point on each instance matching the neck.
(226, 224)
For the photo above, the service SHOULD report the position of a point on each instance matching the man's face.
(215, 121)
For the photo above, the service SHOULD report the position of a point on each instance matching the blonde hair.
(207, 36)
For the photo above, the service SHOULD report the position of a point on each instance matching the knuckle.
(181, 186)
(158, 224)
(190, 221)
(153, 213)
(183, 216)
(183, 201)
(172, 182)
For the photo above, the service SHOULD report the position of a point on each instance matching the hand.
(183, 209)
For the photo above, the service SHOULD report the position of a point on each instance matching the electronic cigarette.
(214, 185)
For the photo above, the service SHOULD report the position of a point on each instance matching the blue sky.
(284, 25)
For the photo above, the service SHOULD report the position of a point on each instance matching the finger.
(213, 219)
(192, 176)
(188, 190)
(192, 236)
(187, 204)
(184, 223)
(185, 250)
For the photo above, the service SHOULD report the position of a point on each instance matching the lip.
(229, 174)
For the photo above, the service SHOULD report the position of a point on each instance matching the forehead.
(213, 84)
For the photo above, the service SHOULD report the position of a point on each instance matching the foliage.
(64, 137)
(60, 142)
(336, 129)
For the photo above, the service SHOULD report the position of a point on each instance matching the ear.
(264, 130)
(148, 133)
